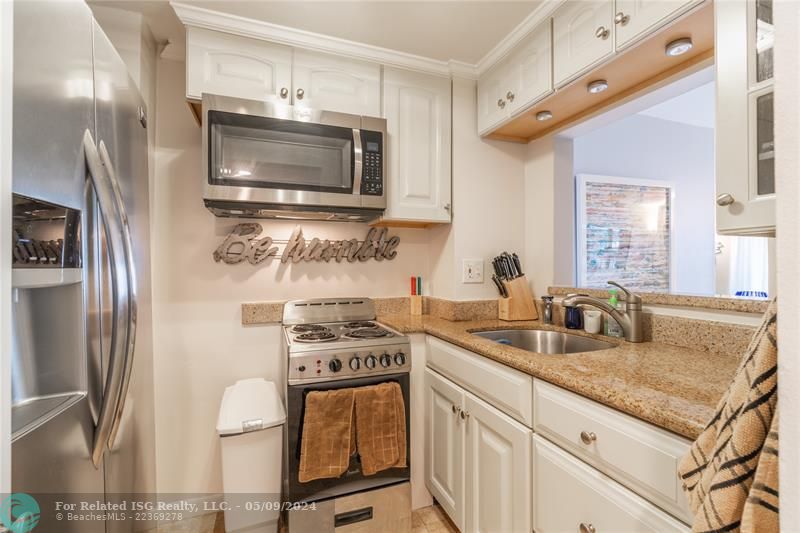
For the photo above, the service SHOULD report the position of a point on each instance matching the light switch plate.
(472, 271)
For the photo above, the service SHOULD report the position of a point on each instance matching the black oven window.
(273, 153)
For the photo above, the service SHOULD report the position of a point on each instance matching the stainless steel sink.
(541, 341)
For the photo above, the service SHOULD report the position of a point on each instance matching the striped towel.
(731, 471)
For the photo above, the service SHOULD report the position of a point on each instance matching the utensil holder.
(415, 305)
(519, 305)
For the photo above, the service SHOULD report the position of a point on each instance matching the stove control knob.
(355, 363)
(400, 358)
(386, 360)
(335, 365)
(370, 361)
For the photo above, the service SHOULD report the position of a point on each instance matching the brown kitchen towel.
(327, 434)
(730, 474)
(380, 427)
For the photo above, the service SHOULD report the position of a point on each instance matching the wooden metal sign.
(244, 244)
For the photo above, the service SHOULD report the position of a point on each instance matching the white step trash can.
(250, 427)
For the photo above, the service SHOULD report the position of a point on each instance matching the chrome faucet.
(630, 320)
(548, 309)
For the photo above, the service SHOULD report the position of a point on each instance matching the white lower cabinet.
(444, 444)
(477, 460)
(572, 496)
(497, 469)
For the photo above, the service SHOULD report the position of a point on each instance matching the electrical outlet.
(472, 271)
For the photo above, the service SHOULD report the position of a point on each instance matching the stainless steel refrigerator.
(82, 366)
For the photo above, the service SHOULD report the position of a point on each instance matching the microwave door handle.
(119, 289)
(358, 158)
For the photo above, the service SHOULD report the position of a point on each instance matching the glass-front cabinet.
(745, 147)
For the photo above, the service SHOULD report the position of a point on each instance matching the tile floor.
(431, 520)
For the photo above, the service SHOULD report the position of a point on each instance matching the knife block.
(519, 305)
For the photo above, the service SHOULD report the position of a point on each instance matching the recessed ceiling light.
(678, 47)
(541, 116)
(597, 86)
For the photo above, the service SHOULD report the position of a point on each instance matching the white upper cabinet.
(529, 70)
(492, 108)
(583, 35)
(518, 81)
(333, 83)
(636, 18)
(417, 109)
(745, 148)
(220, 63)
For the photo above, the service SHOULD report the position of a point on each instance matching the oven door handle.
(358, 161)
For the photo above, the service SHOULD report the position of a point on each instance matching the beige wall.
(548, 230)
(488, 212)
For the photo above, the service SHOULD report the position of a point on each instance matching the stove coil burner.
(316, 336)
(309, 328)
(368, 333)
(362, 324)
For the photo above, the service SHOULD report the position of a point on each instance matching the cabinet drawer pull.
(602, 32)
(284, 92)
(300, 94)
(501, 103)
(725, 199)
(586, 528)
(588, 437)
(621, 18)
(510, 96)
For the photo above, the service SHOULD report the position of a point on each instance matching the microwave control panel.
(372, 176)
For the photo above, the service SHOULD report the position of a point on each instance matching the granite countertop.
(672, 387)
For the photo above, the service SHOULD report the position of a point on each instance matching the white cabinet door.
(744, 135)
(582, 35)
(571, 496)
(417, 110)
(637, 18)
(492, 102)
(497, 470)
(331, 83)
(530, 73)
(444, 444)
(220, 63)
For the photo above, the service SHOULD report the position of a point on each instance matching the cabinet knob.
(621, 18)
(588, 437)
(586, 528)
(602, 32)
(300, 94)
(447, 207)
(464, 415)
(510, 96)
(284, 92)
(501, 103)
(455, 409)
(725, 199)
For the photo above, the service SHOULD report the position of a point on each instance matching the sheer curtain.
(749, 264)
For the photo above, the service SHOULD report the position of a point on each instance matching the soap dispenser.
(613, 329)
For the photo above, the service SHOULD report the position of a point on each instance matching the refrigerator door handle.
(130, 273)
(119, 295)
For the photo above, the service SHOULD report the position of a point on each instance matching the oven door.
(352, 480)
(262, 153)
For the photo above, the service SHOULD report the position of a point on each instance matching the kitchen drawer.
(509, 390)
(635, 453)
(570, 493)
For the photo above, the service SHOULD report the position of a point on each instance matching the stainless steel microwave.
(271, 160)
